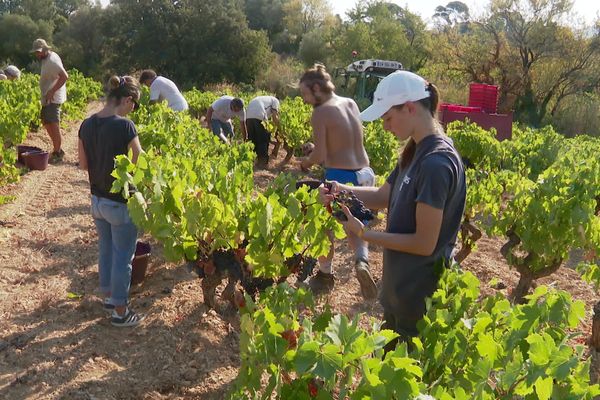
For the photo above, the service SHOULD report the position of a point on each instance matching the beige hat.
(40, 45)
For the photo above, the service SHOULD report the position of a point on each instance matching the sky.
(588, 9)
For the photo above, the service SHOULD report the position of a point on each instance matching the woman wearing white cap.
(424, 195)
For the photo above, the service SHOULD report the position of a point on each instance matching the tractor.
(360, 78)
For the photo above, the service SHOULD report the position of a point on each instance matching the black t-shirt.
(104, 139)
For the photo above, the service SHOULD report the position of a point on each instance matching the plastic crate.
(501, 122)
(484, 96)
(458, 108)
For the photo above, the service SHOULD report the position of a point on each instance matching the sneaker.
(321, 282)
(56, 156)
(367, 284)
(129, 319)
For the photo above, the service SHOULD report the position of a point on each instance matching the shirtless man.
(338, 146)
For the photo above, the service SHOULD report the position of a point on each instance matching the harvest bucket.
(37, 160)
(140, 262)
(21, 148)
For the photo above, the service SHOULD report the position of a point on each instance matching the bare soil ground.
(54, 346)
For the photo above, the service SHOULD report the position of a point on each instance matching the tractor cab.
(360, 79)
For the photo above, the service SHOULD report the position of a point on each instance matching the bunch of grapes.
(229, 264)
(306, 268)
(254, 285)
(301, 266)
(356, 207)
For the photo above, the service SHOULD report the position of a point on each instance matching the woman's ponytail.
(431, 104)
(124, 86)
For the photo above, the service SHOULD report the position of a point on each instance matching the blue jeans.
(117, 236)
(218, 126)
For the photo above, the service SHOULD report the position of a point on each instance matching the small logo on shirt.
(405, 181)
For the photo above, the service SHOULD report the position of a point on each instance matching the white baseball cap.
(395, 89)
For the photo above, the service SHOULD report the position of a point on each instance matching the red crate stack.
(484, 96)
(459, 108)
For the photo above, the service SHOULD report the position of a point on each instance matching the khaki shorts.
(50, 113)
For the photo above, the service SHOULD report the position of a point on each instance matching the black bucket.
(140, 262)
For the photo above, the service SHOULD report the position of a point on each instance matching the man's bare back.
(337, 130)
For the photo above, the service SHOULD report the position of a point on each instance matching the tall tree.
(266, 15)
(453, 13)
(522, 46)
(303, 16)
(384, 30)
(82, 39)
(17, 33)
(193, 41)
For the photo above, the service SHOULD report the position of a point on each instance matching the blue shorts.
(342, 175)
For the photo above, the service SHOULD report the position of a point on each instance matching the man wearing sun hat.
(53, 78)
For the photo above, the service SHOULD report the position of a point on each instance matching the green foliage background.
(547, 66)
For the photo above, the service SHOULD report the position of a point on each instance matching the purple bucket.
(21, 148)
(37, 160)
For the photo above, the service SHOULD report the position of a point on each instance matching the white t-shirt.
(164, 89)
(51, 67)
(223, 112)
(262, 107)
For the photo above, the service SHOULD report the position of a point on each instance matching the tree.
(533, 31)
(81, 41)
(521, 46)
(9, 6)
(453, 13)
(53, 12)
(383, 30)
(303, 16)
(315, 47)
(18, 33)
(192, 41)
(65, 8)
(266, 15)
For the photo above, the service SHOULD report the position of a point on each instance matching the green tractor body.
(359, 79)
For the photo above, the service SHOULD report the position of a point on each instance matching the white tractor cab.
(359, 79)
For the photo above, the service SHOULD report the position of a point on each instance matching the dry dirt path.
(56, 347)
